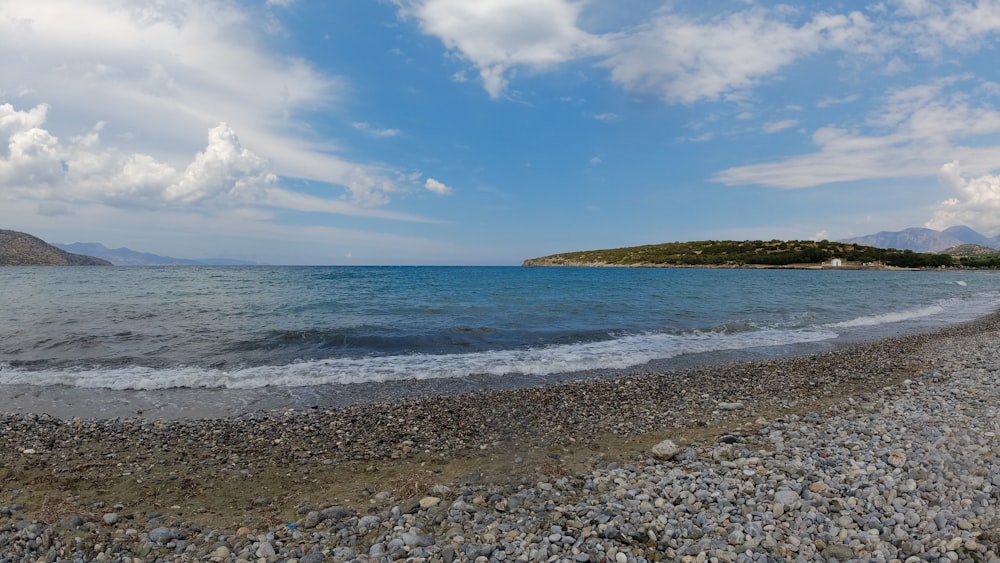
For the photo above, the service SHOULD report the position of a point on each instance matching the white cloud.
(437, 187)
(684, 60)
(914, 129)
(224, 169)
(830, 101)
(975, 201)
(931, 26)
(37, 166)
(162, 73)
(498, 36)
(608, 117)
(368, 128)
(775, 126)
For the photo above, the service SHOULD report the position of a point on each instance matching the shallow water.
(205, 341)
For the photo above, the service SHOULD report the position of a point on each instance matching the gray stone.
(786, 497)
(838, 551)
(665, 450)
(163, 534)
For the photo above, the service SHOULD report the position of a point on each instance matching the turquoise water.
(253, 327)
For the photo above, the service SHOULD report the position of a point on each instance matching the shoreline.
(269, 472)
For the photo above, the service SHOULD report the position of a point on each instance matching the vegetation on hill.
(21, 249)
(774, 253)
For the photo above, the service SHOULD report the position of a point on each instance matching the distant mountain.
(128, 257)
(969, 236)
(925, 240)
(22, 249)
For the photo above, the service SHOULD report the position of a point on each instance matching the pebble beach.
(883, 451)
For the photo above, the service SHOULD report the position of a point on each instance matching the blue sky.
(490, 131)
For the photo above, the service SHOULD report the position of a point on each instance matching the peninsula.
(750, 254)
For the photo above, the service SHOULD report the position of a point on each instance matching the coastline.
(266, 474)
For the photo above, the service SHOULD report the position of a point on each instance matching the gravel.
(884, 451)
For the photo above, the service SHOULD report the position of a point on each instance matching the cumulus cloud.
(160, 74)
(975, 201)
(498, 36)
(39, 165)
(437, 187)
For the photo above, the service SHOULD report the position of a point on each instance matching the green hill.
(21, 249)
(723, 253)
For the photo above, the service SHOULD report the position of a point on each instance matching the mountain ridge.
(921, 239)
(127, 257)
(22, 249)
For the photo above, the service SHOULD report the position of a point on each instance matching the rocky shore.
(882, 451)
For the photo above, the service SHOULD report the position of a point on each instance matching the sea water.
(282, 328)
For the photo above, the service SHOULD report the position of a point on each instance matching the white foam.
(617, 353)
(891, 317)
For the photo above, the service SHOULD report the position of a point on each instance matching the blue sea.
(279, 331)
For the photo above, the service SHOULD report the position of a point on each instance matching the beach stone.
(786, 497)
(416, 540)
(312, 519)
(220, 554)
(665, 450)
(332, 513)
(837, 551)
(265, 550)
(163, 534)
(429, 501)
(733, 406)
(897, 458)
(111, 518)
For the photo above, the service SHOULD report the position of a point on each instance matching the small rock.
(786, 497)
(897, 458)
(416, 540)
(428, 502)
(665, 450)
(838, 551)
(266, 550)
(220, 554)
(163, 534)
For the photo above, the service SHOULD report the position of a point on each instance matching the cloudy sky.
(489, 131)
